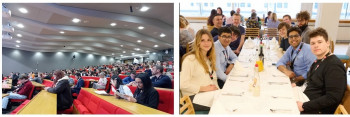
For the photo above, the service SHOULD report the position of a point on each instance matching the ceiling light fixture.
(18, 41)
(113, 24)
(154, 53)
(147, 51)
(132, 53)
(162, 35)
(20, 25)
(17, 46)
(155, 45)
(124, 52)
(19, 35)
(121, 45)
(121, 55)
(62, 32)
(137, 49)
(144, 9)
(139, 41)
(76, 20)
(23, 10)
(141, 27)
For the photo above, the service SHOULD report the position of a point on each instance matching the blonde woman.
(198, 67)
(273, 22)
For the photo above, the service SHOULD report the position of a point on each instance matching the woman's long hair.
(197, 51)
(59, 75)
(274, 17)
(146, 81)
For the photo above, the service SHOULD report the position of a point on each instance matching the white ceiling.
(44, 21)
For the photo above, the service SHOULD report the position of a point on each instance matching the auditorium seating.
(122, 76)
(28, 98)
(20, 107)
(87, 103)
(166, 99)
(47, 83)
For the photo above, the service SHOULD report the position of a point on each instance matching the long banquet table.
(276, 93)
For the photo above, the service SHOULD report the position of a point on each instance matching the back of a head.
(232, 12)
(23, 77)
(78, 75)
(235, 30)
(253, 15)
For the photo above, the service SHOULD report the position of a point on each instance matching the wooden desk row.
(43, 103)
(131, 107)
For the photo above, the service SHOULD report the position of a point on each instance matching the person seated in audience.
(118, 86)
(36, 78)
(130, 79)
(48, 76)
(282, 30)
(225, 58)
(198, 67)
(267, 17)
(101, 84)
(158, 79)
(114, 76)
(237, 44)
(288, 20)
(273, 22)
(253, 22)
(211, 17)
(297, 59)
(70, 79)
(148, 71)
(326, 80)
(22, 91)
(62, 89)
(303, 18)
(230, 19)
(15, 77)
(217, 24)
(79, 85)
(145, 94)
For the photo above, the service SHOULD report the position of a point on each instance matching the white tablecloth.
(276, 93)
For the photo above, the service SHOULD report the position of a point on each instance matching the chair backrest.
(252, 32)
(331, 45)
(189, 46)
(186, 105)
(344, 106)
(271, 32)
(31, 93)
(209, 28)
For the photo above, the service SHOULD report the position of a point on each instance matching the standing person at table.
(217, 20)
(326, 81)
(198, 66)
(101, 84)
(303, 18)
(62, 89)
(282, 30)
(22, 92)
(219, 11)
(145, 94)
(237, 44)
(79, 85)
(298, 58)
(158, 79)
(225, 58)
(273, 22)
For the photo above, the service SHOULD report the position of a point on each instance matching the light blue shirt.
(222, 60)
(303, 61)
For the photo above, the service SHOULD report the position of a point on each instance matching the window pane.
(285, 5)
(206, 4)
(228, 4)
(279, 5)
(344, 14)
(265, 5)
(248, 5)
(242, 5)
(314, 11)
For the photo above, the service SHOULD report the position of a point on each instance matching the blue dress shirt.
(222, 60)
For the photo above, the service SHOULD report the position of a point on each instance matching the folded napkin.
(299, 95)
(205, 98)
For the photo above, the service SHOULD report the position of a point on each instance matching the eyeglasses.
(226, 37)
(293, 36)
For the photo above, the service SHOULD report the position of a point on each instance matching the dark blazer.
(163, 81)
(64, 95)
(325, 86)
(78, 86)
(148, 98)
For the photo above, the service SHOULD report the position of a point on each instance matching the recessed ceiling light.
(137, 49)
(18, 41)
(144, 9)
(20, 25)
(141, 27)
(121, 55)
(23, 10)
(76, 20)
(132, 53)
(155, 45)
(147, 51)
(61, 32)
(112, 53)
(113, 24)
(121, 45)
(124, 52)
(162, 35)
(154, 53)
(139, 41)
(19, 35)
(17, 46)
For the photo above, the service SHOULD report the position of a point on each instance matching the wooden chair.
(343, 57)
(189, 46)
(344, 106)
(186, 106)
(271, 32)
(252, 32)
(209, 28)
